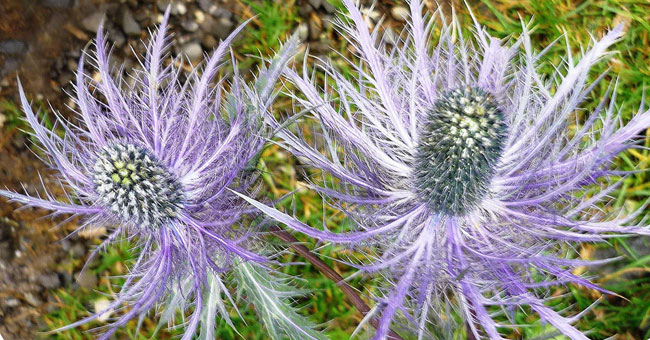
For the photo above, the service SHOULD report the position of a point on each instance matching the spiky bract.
(157, 161)
(532, 200)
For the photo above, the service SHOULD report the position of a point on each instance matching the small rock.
(223, 27)
(210, 7)
(117, 37)
(49, 281)
(315, 3)
(92, 22)
(193, 51)
(208, 24)
(33, 299)
(224, 13)
(87, 279)
(400, 13)
(159, 18)
(10, 65)
(303, 31)
(74, 54)
(181, 9)
(65, 244)
(374, 15)
(12, 46)
(220, 28)
(209, 42)
(162, 5)
(78, 250)
(57, 3)
(305, 10)
(11, 302)
(2, 121)
(199, 16)
(190, 25)
(129, 25)
(176, 7)
(101, 305)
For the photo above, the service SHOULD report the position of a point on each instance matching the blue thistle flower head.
(461, 140)
(453, 159)
(157, 161)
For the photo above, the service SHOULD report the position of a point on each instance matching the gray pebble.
(87, 279)
(78, 250)
(12, 302)
(190, 25)
(65, 244)
(180, 9)
(10, 65)
(208, 24)
(12, 46)
(223, 27)
(315, 3)
(129, 25)
(192, 51)
(400, 13)
(33, 299)
(303, 31)
(74, 54)
(117, 37)
(49, 281)
(176, 7)
(91, 22)
(199, 16)
(210, 7)
(224, 13)
(162, 5)
(220, 27)
(305, 10)
(209, 42)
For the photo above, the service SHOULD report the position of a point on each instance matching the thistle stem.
(331, 274)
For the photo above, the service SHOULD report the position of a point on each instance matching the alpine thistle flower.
(454, 161)
(157, 161)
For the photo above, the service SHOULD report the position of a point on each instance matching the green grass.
(627, 316)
